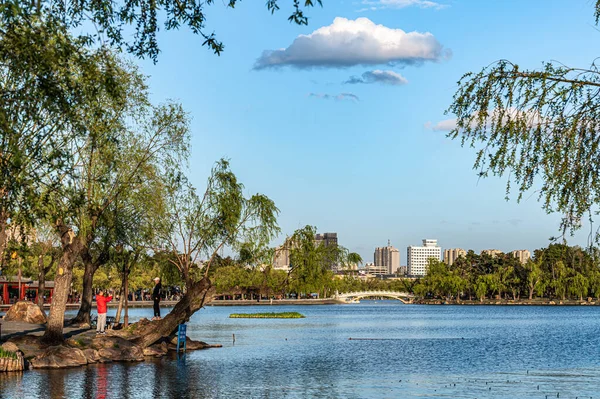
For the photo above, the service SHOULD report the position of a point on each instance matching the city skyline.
(309, 132)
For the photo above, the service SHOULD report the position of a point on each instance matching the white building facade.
(522, 254)
(418, 257)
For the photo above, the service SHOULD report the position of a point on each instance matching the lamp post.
(14, 255)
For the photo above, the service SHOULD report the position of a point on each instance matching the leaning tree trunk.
(87, 295)
(197, 294)
(71, 250)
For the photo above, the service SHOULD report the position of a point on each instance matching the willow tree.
(195, 227)
(311, 262)
(110, 22)
(40, 95)
(118, 185)
(538, 127)
(122, 141)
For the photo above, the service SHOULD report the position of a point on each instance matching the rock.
(192, 345)
(28, 344)
(25, 311)
(59, 356)
(117, 349)
(91, 355)
(156, 350)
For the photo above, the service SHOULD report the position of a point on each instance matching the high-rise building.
(491, 252)
(418, 257)
(281, 259)
(387, 258)
(450, 255)
(522, 254)
(328, 240)
(373, 270)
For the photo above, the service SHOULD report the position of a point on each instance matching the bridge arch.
(355, 296)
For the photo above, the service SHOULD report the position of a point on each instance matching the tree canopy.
(110, 22)
(538, 127)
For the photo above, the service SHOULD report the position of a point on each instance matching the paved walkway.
(113, 304)
(9, 329)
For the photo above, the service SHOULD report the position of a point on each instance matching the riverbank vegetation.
(557, 272)
(273, 315)
(93, 174)
(94, 187)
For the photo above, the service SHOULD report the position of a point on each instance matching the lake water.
(397, 351)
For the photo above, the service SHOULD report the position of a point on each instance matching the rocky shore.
(89, 348)
(24, 350)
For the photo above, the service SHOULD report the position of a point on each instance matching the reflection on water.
(421, 352)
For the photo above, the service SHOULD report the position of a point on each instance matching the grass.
(7, 354)
(281, 315)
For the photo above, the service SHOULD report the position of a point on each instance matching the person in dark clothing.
(156, 292)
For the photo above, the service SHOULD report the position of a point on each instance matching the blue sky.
(360, 159)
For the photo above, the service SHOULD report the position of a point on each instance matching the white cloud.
(383, 4)
(442, 126)
(378, 76)
(347, 43)
(341, 96)
(531, 119)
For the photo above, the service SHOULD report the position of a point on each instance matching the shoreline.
(228, 302)
(333, 301)
(505, 302)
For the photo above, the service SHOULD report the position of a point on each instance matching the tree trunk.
(71, 250)
(87, 295)
(120, 307)
(126, 297)
(84, 314)
(197, 294)
(3, 236)
(41, 283)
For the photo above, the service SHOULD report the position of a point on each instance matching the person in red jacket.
(102, 299)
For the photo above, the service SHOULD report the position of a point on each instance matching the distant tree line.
(556, 272)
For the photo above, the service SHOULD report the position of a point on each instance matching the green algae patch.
(281, 315)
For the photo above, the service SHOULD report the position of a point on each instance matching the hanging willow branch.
(541, 128)
(134, 25)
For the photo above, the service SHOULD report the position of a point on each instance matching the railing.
(375, 293)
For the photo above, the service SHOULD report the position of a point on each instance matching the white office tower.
(418, 257)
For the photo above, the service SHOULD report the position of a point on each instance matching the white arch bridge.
(353, 297)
